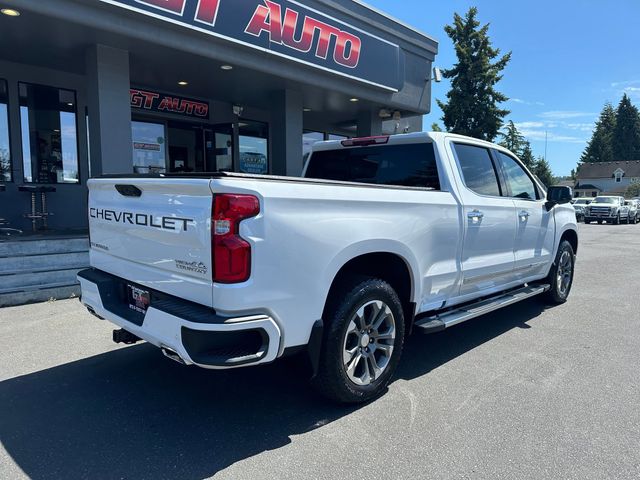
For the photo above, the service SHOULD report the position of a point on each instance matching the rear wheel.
(561, 275)
(363, 340)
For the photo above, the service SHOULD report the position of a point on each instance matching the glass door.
(218, 143)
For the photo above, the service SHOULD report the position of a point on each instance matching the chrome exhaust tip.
(173, 355)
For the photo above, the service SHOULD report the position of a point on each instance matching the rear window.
(411, 165)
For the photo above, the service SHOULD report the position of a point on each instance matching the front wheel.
(362, 341)
(561, 275)
(616, 221)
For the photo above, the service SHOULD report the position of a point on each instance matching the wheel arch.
(572, 237)
(389, 266)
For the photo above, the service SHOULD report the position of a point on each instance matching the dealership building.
(91, 87)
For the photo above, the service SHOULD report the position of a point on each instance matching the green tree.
(526, 155)
(512, 139)
(626, 134)
(633, 191)
(472, 106)
(435, 127)
(600, 147)
(542, 170)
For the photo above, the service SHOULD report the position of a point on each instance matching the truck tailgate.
(154, 233)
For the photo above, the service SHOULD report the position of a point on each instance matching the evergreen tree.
(626, 134)
(600, 147)
(473, 102)
(526, 155)
(435, 127)
(542, 170)
(633, 190)
(512, 139)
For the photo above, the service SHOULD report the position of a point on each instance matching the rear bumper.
(187, 332)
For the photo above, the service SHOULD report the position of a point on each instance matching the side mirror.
(558, 195)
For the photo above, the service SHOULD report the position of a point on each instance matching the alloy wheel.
(368, 342)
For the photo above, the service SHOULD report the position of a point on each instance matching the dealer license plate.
(138, 299)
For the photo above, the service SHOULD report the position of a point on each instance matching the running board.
(439, 322)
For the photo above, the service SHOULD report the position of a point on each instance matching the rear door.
(535, 233)
(488, 218)
(154, 232)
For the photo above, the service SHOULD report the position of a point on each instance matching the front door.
(535, 232)
(197, 148)
(488, 220)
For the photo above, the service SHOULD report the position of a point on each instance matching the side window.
(478, 171)
(518, 181)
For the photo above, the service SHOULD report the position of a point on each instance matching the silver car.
(579, 205)
(634, 210)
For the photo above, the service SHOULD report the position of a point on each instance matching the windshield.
(605, 200)
(583, 202)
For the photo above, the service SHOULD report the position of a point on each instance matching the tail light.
(231, 253)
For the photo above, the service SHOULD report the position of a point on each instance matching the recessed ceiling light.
(354, 100)
(306, 109)
(182, 83)
(70, 104)
(227, 67)
(10, 12)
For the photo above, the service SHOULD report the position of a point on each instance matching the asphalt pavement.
(527, 392)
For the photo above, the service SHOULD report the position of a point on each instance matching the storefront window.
(332, 136)
(254, 147)
(5, 150)
(149, 147)
(49, 134)
(308, 140)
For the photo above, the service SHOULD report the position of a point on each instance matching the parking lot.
(528, 392)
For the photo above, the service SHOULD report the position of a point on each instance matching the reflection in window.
(49, 134)
(254, 147)
(148, 147)
(477, 169)
(5, 150)
(309, 139)
(519, 182)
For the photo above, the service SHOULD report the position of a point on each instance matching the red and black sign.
(289, 29)
(151, 101)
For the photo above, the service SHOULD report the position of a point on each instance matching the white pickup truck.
(383, 236)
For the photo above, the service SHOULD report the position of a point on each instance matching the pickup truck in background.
(382, 237)
(610, 209)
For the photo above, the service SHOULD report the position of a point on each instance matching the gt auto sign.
(166, 103)
(285, 28)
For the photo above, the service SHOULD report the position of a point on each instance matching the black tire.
(559, 292)
(332, 379)
(600, 222)
(587, 221)
(616, 221)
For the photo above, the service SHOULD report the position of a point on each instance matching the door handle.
(524, 215)
(475, 216)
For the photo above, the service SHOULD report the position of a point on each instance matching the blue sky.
(569, 58)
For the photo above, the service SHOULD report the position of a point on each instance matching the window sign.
(5, 150)
(254, 147)
(148, 147)
(49, 134)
